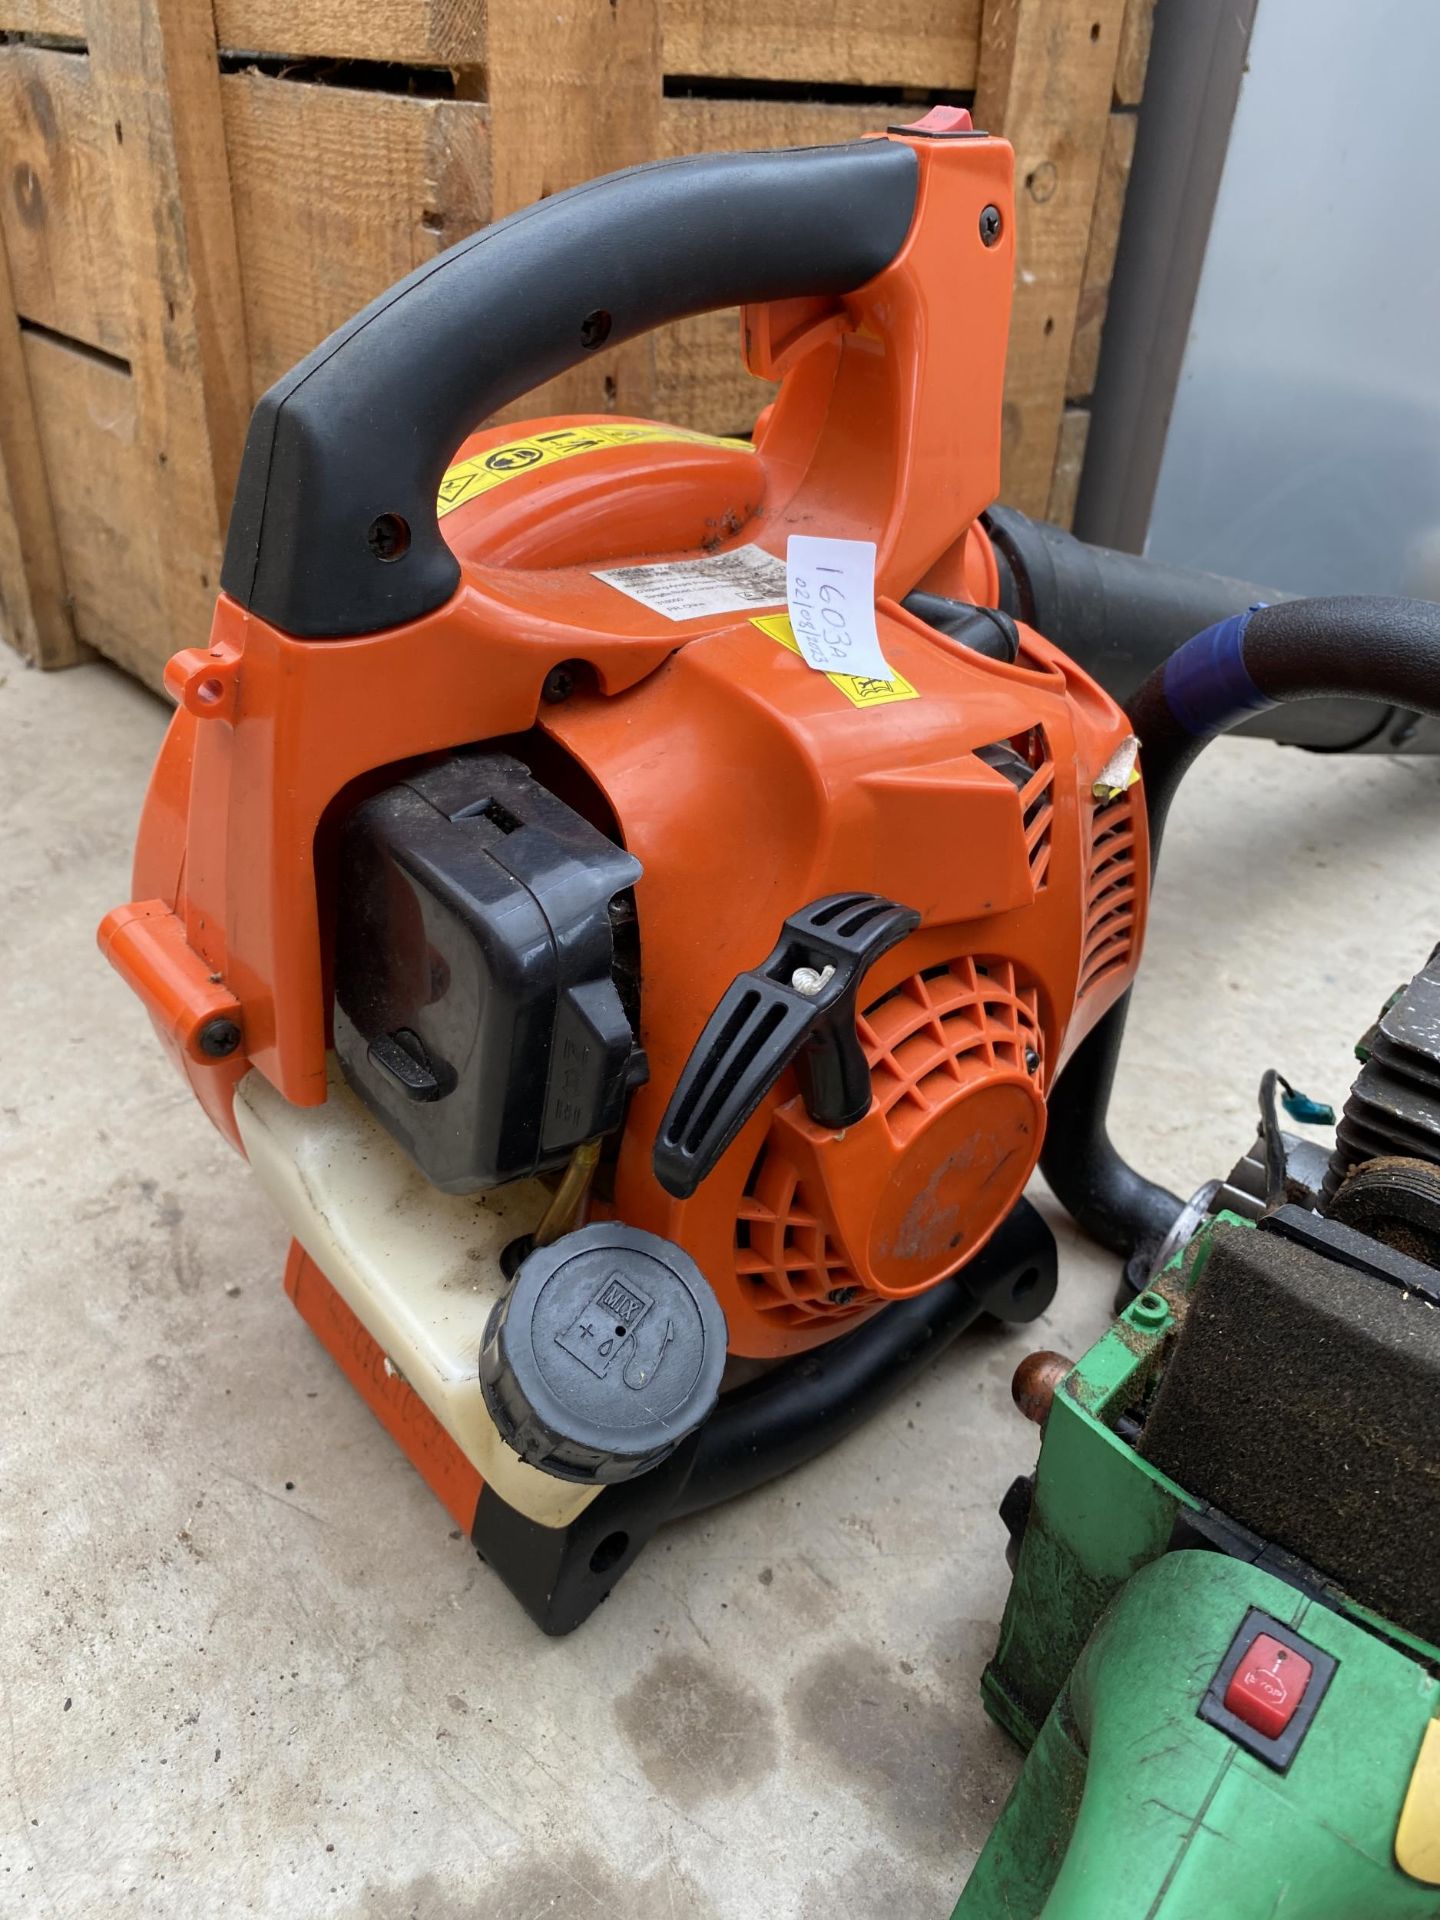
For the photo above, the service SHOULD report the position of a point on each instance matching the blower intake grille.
(924, 1040)
(1109, 894)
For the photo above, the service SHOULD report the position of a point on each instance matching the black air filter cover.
(476, 1010)
(1303, 1400)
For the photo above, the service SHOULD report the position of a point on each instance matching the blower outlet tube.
(1120, 616)
(1260, 661)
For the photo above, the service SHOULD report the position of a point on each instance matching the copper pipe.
(1036, 1378)
(567, 1203)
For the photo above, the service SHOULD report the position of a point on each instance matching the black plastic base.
(779, 1421)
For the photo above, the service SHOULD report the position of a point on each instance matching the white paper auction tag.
(830, 591)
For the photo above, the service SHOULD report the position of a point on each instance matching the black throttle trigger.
(798, 1005)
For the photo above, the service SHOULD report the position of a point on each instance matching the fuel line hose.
(1371, 648)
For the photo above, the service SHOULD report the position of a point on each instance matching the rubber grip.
(361, 431)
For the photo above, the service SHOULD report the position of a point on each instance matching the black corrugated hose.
(1376, 649)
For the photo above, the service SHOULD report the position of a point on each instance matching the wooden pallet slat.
(156, 76)
(1046, 74)
(47, 19)
(1134, 54)
(85, 414)
(1069, 464)
(35, 613)
(56, 212)
(337, 194)
(419, 33)
(905, 43)
(580, 100)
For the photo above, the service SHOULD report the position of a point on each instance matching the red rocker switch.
(1268, 1685)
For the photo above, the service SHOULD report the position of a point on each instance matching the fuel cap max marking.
(604, 1355)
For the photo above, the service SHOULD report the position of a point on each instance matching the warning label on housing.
(468, 478)
(860, 689)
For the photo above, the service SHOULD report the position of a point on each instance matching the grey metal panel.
(1197, 60)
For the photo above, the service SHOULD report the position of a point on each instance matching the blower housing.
(507, 867)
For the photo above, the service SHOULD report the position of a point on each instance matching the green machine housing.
(1261, 1370)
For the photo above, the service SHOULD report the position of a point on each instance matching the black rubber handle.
(333, 531)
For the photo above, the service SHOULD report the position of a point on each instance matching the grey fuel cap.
(604, 1355)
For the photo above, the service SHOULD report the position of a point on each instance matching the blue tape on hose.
(1206, 683)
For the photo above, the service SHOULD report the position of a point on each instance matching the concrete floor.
(248, 1668)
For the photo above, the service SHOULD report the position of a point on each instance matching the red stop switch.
(1268, 1685)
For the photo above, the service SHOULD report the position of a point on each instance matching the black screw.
(1032, 1060)
(388, 536)
(595, 329)
(841, 1296)
(990, 225)
(559, 685)
(219, 1037)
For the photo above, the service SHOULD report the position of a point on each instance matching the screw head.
(991, 225)
(219, 1037)
(841, 1296)
(595, 329)
(1032, 1060)
(559, 685)
(388, 536)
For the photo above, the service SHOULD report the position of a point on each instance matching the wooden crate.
(192, 195)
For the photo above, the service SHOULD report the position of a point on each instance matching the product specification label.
(830, 593)
(732, 582)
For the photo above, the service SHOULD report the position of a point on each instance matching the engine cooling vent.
(915, 1038)
(1037, 809)
(1027, 764)
(1109, 894)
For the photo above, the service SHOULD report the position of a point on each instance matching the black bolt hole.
(512, 1255)
(1025, 1284)
(388, 537)
(595, 329)
(611, 1550)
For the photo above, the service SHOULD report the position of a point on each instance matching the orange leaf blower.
(645, 1035)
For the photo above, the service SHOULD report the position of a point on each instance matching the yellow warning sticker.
(857, 688)
(469, 478)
